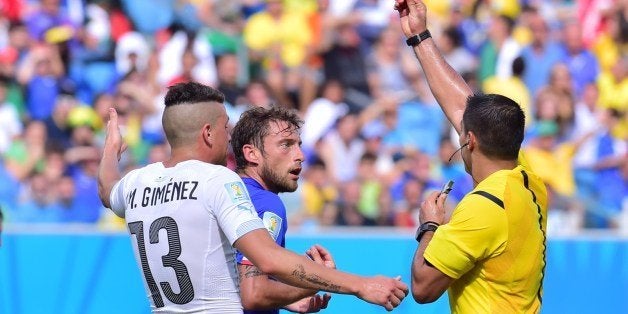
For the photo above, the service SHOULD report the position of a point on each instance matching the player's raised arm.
(302, 272)
(108, 172)
(449, 88)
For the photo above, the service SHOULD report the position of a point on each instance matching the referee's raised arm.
(448, 87)
(478, 251)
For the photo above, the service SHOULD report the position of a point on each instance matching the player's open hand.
(321, 255)
(311, 304)
(412, 14)
(387, 292)
(114, 144)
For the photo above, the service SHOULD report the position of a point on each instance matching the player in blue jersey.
(267, 148)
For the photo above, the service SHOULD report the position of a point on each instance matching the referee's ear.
(251, 153)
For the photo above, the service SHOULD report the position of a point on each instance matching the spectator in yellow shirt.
(512, 87)
(278, 40)
(318, 192)
(611, 43)
(552, 161)
(613, 87)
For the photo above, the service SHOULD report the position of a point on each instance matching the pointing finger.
(113, 117)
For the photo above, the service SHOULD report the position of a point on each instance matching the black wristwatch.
(417, 39)
(425, 227)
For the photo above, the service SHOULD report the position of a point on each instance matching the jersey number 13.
(171, 260)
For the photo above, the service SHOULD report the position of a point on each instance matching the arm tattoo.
(251, 271)
(314, 279)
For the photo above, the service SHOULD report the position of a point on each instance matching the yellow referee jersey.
(494, 245)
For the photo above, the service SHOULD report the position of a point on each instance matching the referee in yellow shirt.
(490, 255)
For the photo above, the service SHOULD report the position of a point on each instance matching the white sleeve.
(232, 205)
(116, 199)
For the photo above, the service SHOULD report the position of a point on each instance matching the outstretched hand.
(412, 14)
(387, 292)
(321, 256)
(114, 144)
(311, 304)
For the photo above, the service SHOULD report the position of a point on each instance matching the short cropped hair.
(254, 126)
(192, 92)
(498, 123)
(182, 123)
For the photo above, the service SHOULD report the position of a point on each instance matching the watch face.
(417, 39)
(413, 41)
(424, 228)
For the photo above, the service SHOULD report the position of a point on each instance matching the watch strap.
(425, 227)
(414, 40)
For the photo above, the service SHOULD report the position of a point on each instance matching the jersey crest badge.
(272, 222)
(236, 191)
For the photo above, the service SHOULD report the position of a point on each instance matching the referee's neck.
(484, 167)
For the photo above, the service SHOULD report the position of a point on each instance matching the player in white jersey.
(186, 214)
(212, 205)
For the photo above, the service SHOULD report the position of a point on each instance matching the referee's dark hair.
(254, 125)
(498, 123)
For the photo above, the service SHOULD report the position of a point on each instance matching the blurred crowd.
(375, 139)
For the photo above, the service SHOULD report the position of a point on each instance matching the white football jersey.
(183, 222)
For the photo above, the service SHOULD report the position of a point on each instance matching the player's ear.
(206, 134)
(251, 153)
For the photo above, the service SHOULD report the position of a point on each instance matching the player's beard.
(276, 182)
